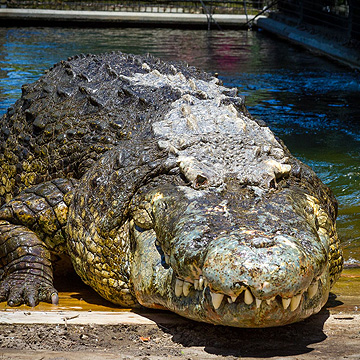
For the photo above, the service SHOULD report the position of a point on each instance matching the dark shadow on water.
(92, 298)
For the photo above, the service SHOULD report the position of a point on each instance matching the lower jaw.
(249, 316)
(198, 306)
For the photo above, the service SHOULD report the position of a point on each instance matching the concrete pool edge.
(15, 17)
(314, 42)
(12, 317)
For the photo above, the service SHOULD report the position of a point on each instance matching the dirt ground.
(322, 336)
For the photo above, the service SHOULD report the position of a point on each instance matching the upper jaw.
(280, 266)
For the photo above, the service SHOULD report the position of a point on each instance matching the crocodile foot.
(29, 289)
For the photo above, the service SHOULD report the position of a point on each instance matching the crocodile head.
(232, 255)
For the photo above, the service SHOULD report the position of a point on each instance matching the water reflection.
(310, 102)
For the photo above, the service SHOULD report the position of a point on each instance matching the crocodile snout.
(218, 266)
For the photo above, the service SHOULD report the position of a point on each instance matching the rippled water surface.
(308, 101)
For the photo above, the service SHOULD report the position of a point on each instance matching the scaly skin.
(164, 192)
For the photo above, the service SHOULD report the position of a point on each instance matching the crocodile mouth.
(247, 310)
(184, 288)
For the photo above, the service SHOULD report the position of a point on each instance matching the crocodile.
(162, 189)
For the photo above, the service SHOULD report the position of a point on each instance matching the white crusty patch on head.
(198, 111)
(204, 125)
(190, 115)
(178, 81)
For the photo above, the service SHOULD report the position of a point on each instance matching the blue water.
(310, 102)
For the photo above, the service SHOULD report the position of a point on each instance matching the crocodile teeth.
(196, 284)
(179, 287)
(268, 301)
(216, 299)
(313, 288)
(286, 303)
(186, 288)
(248, 298)
(201, 283)
(295, 301)
(258, 302)
(231, 299)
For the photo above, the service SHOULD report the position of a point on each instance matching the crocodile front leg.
(32, 226)
(27, 271)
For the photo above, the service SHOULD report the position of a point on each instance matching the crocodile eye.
(164, 258)
(139, 228)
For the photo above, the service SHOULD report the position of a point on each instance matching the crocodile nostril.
(201, 181)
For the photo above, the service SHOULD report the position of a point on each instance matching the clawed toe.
(55, 298)
(29, 290)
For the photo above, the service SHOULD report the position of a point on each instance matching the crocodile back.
(74, 113)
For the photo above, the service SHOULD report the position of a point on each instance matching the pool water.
(313, 104)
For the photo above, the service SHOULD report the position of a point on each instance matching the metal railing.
(158, 6)
(337, 18)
